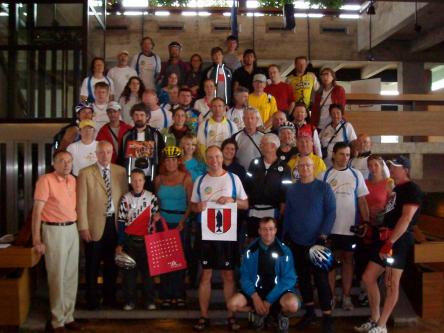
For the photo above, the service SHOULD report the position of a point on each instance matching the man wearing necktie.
(100, 187)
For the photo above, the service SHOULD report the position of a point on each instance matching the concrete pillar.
(417, 171)
(413, 78)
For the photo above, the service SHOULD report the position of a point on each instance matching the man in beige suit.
(99, 189)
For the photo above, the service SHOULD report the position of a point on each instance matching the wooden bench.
(15, 284)
(423, 280)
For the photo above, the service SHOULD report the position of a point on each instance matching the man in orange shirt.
(54, 234)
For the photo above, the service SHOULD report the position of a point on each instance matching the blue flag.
(234, 30)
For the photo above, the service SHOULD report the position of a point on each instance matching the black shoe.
(327, 325)
(283, 323)
(306, 320)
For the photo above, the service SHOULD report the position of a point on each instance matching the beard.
(139, 124)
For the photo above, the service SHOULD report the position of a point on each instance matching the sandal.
(201, 324)
(232, 324)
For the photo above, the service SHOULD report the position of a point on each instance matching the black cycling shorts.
(400, 252)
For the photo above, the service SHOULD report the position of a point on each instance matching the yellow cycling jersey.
(303, 86)
(318, 167)
(265, 104)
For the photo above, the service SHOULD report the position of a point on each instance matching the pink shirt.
(377, 198)
(59, 195)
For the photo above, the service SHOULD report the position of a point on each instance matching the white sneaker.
(378, 329)
(129, 307)
(347, 304)
(365, 327)
(151, 307)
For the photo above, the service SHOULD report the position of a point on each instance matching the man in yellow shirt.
(303, 83)
(305, 148)
(263, 102)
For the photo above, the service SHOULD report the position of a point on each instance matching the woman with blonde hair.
(380, 188)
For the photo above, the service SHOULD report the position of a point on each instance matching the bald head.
(365, 142)
(104, 153)
(305, 169)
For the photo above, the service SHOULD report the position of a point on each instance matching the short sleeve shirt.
(87, 82)
(347, 192)
(405, 194)
(59, 195)
(212, 188)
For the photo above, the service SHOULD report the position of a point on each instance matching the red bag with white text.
(164, 251)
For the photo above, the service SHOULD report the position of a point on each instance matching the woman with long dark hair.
(97, 71)
(131, 95)
(195, 75)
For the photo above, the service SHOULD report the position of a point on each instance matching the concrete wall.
(390, 17)
(199, 36)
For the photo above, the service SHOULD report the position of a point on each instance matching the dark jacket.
(151, 134)
(267, 187)
(211, 73)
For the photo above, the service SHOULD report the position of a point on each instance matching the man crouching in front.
(267, 279)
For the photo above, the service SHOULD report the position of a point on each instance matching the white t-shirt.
(126, 108)
(237, 117)
(82, 155)
(100, 116)
(343, 184)
(120, 77)
(159, 118)
(325, 118)
(215, 132)
(346, 134)
(212, 188)
(149, 68)
(86, 82)
(202, 106)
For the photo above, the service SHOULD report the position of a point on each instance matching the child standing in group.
(138, 213)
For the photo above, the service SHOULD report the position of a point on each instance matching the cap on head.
(175, 44)
(87, 123)
(260, 77)
(400, 161)
(113, 105)
(123, 52)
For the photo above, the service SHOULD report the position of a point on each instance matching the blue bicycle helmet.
(321, 257)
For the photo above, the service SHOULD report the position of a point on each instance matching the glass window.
(4, 27)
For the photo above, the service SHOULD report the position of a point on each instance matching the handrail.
(411, 123)
(429, 99)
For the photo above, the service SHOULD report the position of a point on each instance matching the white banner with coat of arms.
(219, 222)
